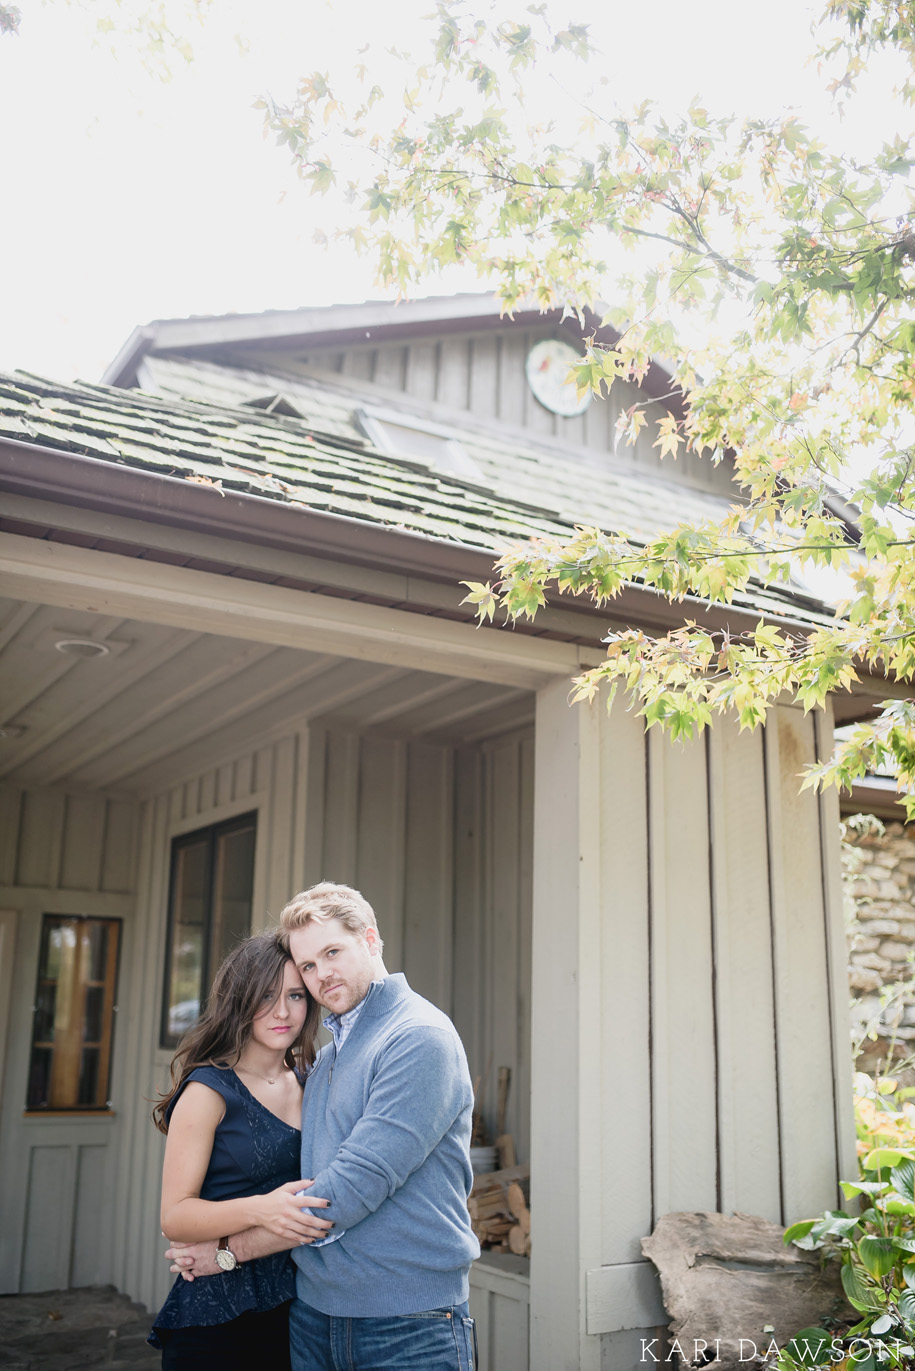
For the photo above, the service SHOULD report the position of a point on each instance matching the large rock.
(728, 1278)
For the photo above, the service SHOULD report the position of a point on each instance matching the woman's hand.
(281, 1212)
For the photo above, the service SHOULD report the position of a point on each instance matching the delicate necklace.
(271, 1080)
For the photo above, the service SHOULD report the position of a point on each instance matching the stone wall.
(879, 881)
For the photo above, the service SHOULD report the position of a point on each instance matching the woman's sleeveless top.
(253, 1153)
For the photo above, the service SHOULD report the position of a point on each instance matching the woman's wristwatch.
(226, 1259)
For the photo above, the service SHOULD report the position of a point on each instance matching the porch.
(413, 785)
(643, 933)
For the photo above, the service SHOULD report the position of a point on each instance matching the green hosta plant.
(877, 1250)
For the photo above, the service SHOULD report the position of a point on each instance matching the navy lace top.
(253, 1153)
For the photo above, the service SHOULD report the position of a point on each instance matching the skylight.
(417, 440)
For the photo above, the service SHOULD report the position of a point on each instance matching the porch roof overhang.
(256, 490)
(48, 474)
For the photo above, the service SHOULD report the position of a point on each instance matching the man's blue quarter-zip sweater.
(386, 1134)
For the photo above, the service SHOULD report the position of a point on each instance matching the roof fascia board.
(122, 371)
(410, 590)
(873, 796)
(312, 326)
(44, 572)
(392, 329)
(33, 470)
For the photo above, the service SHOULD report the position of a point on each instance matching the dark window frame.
(212, 833)
(107, 1017)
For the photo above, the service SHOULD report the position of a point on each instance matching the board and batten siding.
(270, 781)
(70, 854)
(482, 374)
(708, 944)
(439, 840)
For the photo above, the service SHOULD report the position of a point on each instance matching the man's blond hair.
(327, 901)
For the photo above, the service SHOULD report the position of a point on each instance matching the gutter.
(45, 473)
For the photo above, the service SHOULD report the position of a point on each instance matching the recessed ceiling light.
(82, 647)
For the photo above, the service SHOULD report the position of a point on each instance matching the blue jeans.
(434, 1340)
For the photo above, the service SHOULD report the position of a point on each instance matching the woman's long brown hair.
(250, 978)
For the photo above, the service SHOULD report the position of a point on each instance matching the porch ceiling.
(165, 703)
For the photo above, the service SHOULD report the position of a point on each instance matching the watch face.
(547, 369)
(225, 1259)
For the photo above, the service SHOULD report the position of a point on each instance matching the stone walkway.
(68, 1330)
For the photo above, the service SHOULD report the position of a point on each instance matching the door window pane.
(73, 1013)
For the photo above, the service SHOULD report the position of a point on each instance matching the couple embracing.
(370, 1199)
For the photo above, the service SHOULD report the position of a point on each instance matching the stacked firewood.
(499, 1210)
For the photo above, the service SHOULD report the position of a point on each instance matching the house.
(236, 661)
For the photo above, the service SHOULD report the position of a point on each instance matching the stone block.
(874, 927)
(893, 951)
(859, 943)
(862, 978)
(872, 959)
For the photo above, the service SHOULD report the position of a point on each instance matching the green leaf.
(883, 1157)
(878, 1255)
(906, 1306)
(902, 1179)
(860, 1294)
(798, 1230)
(810, 1346)
(852, 1188)
(898, 1207)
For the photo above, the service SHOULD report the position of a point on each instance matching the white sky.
(129, 199)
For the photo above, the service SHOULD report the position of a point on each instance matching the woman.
(232, 1118)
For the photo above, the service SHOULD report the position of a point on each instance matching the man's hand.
(193, 1259)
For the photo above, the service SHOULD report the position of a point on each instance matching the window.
(74, 1013)
(209, 909)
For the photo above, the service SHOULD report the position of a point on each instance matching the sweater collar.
(384, 995)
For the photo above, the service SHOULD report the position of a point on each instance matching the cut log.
(497, 1205)
(486, 1206)
(490, 1180)
(518, 1241)
(518, 1206)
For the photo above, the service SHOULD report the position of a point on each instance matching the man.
(386, 1123)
